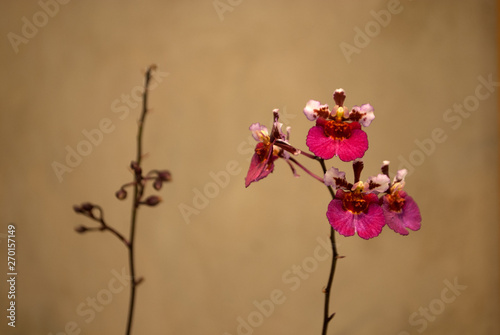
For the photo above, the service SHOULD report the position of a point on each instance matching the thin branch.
(327, 317)
(138, 192)
(105, 226)
(117, 234)
(306, 170)
(308, 155)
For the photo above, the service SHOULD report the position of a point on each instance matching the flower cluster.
(157, 176)
(357, 208)
(360, 207)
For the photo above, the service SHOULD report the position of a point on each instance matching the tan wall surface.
(225, 72)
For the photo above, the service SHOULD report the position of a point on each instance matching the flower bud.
(137, 169)
(164, 175)
(81, 229)
(121, 194)
(87, 206)
(152, 200)
(157, 184)
(78, 209)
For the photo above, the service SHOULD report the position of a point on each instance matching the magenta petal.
(258, 169)
(342, 221)
(412, 217)
(409, 217)
(370, 224)
(367, 225)
(353, 147)
(321, 145)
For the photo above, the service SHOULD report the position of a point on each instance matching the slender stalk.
(327, 317)
(117, 234)
(138, 191)
(308, 155)
(306, 170)
(105, 226)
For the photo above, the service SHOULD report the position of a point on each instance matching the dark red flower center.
(262, 150)
(354, 202)
(395, 202)
(337, 130)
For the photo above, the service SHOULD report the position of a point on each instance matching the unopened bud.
(157, 184)
(78, 209)
(152, 200)
(134, 166)
(87, 206)
(81, 229)
(121, 194)
(165, 175)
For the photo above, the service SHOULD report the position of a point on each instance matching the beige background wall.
(224, 73)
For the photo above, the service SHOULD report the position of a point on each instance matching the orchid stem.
(306, 170)
(138, 191)
(115, 232)
(308, 155)
(327, 317)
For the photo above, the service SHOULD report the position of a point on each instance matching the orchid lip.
(396, 203)
(337, 130)
(355, 201)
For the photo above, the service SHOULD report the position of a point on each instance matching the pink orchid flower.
(271, 146)
(400, 210)
(338, 132)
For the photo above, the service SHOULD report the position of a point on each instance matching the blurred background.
(218, 258)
